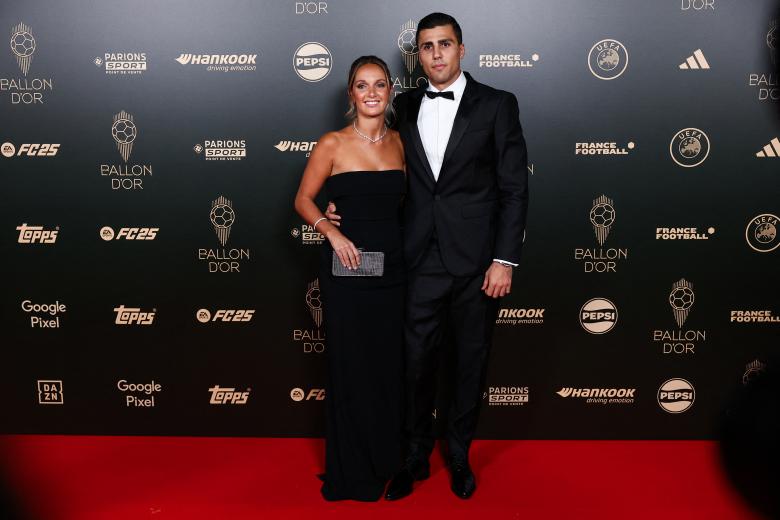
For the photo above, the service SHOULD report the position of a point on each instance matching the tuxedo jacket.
(479, 203)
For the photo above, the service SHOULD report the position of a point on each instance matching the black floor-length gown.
(364, 334)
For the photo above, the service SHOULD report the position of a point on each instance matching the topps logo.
(228, 395)
(133, 316)
(30, 150)
(205, 315)
(36, 234)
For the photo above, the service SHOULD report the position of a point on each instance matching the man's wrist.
(504, 263)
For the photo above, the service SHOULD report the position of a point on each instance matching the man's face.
(440, 55)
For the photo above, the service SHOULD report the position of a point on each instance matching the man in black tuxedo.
(464, 218)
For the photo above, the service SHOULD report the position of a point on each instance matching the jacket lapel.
(461, 123)
(411, 119)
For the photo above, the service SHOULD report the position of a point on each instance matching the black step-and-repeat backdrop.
(157, 281)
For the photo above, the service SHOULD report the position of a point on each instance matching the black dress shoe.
(463, 481)
(402, 483)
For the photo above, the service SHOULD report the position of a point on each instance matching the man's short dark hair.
(437, 20)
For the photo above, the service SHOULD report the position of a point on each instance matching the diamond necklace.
(364, 136)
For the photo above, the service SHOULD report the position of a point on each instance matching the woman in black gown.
(361, 168)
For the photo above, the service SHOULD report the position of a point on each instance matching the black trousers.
(436, 299)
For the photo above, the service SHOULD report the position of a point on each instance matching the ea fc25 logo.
(36, 234)
(608, 59)
(8, 149)
(315, 394)
(689, 147)
(107, 233)
(312, 61)
(761, 233)
(598, 316)
(224, 315)
(676, 396)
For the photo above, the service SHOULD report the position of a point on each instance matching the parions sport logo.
(124, 132)
(222, 149)
(506, 395)
(689, 147)
(36, 234)
(676, 395)
(8, 149)
(312, 62)
(122, 63)
(608, 59)
(220, 62)
(107, 233)
(25, 91)
(224, 315)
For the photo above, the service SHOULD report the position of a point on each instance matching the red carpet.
(90, 478)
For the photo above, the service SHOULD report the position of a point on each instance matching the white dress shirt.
(435, 122)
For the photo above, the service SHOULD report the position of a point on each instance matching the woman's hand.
(344, 248)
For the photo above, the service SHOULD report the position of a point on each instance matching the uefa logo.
(608, 59)
(676, 395)
(689, 147)
(761, 233)
(598, 316)
(312, 61)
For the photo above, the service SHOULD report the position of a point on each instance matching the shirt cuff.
(504, 262)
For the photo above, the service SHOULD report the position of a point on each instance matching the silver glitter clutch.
(372, 263)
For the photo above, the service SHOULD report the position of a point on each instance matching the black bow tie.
(446, 94)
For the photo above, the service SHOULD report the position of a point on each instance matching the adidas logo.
(695, 62)
(770, 150)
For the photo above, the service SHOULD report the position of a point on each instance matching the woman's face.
(370, 91)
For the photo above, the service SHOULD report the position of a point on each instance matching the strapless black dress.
(364, 333)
